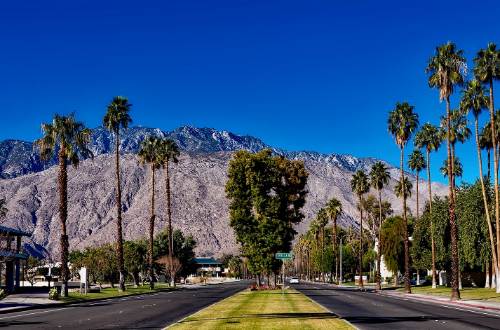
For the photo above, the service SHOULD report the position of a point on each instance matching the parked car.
(294, 280)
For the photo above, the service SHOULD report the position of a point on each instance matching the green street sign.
(284, 255)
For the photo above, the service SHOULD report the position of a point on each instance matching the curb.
(446, 302)
(68, 303)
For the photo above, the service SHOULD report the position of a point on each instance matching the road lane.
(369, 310)
(153, 311)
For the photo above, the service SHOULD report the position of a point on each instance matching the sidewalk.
(23, 301)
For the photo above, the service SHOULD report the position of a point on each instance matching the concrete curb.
(436, 300)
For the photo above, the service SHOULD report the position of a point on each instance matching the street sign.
(284, 255)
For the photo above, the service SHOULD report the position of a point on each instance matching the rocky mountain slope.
(199, 203)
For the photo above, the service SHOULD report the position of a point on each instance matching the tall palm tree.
(474, 100)
(149, 155)
(379, 177)
(117, 117)
(70, 139)
(485, 143)
(459, 132)
(416, 163)
(403, 188)
(457, 168)
(430, 138)
(487, 69)
(360, 186)
(334, 210)
(402, 123)
(446, 70)
(169, 152)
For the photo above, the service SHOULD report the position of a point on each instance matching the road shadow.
(19, 323)
(235, 319)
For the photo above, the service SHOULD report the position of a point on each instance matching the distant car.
(294, 280)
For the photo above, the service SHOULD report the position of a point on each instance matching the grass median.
(466, 293)
(264, 310)
(113, 292)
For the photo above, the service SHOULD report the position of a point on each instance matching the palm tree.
(485, 143)
(70, 139)
(117, 117)
(169, 152)
(322, 221)
(379, 177)
(403, 188)
(402, 123)
(487, 69)
(334, 210)
(416, 163)
(457, 168)
(460, 132)
(149, 155)
(429, 137)
(474, 99)
(360, 186)
(446, 69)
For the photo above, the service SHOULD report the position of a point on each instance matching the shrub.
(54, 294)
(3, 294)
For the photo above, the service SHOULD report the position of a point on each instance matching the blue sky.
(315, 75)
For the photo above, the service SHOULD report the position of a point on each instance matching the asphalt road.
(370, 310)
(153, 311)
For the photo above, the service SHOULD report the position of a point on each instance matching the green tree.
(416, 163)
(149, 155)
(360, 186)
(117, 117)
(135, 262)
(446, 70)
(334, 210)
(429, 138)
(169, 153)
(402, 123)
(266, 195)
(379, 178)
(392, 244)
(486, 70)
(70, 138)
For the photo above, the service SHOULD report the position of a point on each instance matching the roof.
(206, 261)
(13, 231)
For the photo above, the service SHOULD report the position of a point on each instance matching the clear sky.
(314, 75)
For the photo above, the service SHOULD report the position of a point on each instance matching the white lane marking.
(34, 313)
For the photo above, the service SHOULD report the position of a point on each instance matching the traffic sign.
(284, 255)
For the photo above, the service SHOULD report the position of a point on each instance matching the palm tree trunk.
(63, 215)
(379, 252)
(497, 206)
(433, 246)
(417, 198)
(361, 245)
(335, 256)
(489, 165)
(151, 228)
(169, 216)
(119, 233)
(405, 220)
(487, 275)
(455, 293)
(483, 190)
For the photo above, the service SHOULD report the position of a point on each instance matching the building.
(208, 267)
(10, 257)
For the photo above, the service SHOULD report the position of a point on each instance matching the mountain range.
(199, 205)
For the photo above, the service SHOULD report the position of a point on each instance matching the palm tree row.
(70, 139)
